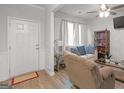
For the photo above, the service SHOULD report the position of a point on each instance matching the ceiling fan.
(105, 11)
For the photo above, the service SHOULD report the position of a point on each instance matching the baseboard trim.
(4, 79)
(49, 73)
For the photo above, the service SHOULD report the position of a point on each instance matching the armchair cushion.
(86, 74)
(106, 72)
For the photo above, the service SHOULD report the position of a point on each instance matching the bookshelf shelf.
(101, 41)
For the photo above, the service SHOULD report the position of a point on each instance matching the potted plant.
(108, 57)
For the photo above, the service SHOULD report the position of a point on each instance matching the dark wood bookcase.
(102, 42)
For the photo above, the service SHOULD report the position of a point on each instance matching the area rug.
(24, 78)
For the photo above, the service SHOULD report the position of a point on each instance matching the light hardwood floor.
(59, 81)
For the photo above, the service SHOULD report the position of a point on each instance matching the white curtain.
(76, 34)
(83, 34)
(64, 33)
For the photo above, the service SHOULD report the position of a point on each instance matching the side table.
(112, 64)
(59, 60)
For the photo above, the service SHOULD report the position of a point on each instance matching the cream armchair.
(86, 74)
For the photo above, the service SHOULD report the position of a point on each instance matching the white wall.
(49, 37)
(97, 24)
(19, 11)
(59, 16)
(116, 35)
(49, 44)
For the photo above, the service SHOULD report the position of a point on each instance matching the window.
(80, 34)
(75, 33)
(70, 34)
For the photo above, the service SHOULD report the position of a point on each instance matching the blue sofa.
(85, 51)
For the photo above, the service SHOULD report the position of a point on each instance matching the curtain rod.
(73, 21)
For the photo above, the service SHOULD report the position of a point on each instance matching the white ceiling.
(45, 5)
(48, 6)
(74, 9)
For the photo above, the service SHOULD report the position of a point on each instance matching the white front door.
(23, 42)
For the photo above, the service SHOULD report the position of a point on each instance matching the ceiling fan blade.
(92, 12)
(117, 7)
(112, 13)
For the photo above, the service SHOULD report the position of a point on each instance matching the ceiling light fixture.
(101, 14)
(104, 11)
(103, 7)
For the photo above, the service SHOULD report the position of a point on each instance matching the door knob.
(37, 48)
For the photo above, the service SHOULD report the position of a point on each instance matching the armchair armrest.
(106, 72)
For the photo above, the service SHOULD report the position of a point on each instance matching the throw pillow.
(81, 50)
(75, 50)
(87, 49)
(91, 49)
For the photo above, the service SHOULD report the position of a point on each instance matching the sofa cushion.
(87, 49)
(75, 50)
(90, 49)
(87, 56)
(81, 50)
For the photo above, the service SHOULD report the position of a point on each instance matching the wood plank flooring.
(59, 81)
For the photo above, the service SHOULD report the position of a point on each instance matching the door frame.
(9, 18)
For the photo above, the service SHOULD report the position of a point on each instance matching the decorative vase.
(107, 60)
